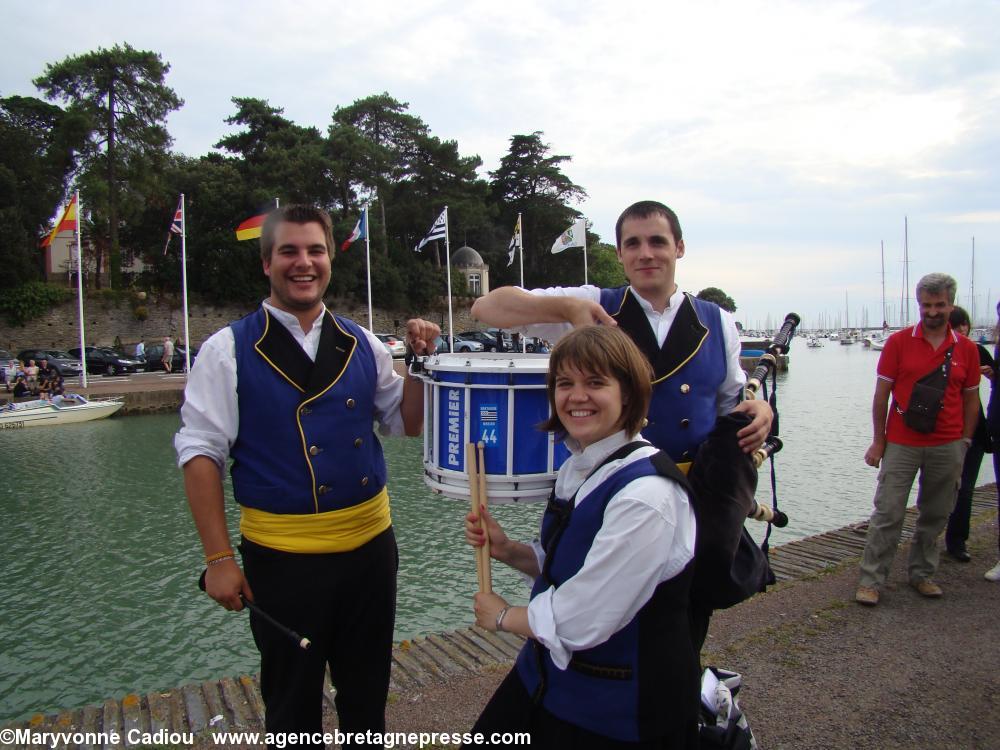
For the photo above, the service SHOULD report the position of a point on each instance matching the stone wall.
(103, 323)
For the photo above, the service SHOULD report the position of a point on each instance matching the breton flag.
(515, 243)
(439, 231)
(575, 236)
(250, 229)
(177, 225)
(66, 222)
(360, 230)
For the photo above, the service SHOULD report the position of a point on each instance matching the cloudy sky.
(792, 138)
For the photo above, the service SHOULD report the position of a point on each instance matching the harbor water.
(100, 559)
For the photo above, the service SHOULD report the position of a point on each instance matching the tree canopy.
(109, 138)
(122, 94)
(719, 297)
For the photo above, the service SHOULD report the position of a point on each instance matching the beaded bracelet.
(219, 556)
(218, 560)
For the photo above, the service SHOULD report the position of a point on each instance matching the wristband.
(218, 560)
(500, 615)
(209, 559)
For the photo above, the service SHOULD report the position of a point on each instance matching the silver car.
(394, 344)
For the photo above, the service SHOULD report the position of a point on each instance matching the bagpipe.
(729, 565)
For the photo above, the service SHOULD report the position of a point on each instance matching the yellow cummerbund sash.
(685, 467)
(314, 533)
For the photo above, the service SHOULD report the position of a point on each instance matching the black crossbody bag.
(928, 396)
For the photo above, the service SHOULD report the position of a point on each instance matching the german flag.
(250, 229)
(67, 222)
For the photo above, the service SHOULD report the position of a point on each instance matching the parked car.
(488, 340)
(154, 357)
(395, 344)
(102, 360)
(461, 345)
(64, 363)
(507, 341)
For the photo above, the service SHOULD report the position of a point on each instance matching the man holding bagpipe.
(698, 384)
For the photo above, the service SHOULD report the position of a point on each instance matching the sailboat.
(877, 342)
(847, 337)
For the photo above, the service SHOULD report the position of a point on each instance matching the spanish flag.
(67, 222)
(250, 229)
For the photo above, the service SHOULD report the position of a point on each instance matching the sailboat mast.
(884, 317)
(906, 266)
(972, 287)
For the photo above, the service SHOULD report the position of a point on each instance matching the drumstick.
(484, 503)
(470, 469)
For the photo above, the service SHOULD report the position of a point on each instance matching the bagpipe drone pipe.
(730, 567)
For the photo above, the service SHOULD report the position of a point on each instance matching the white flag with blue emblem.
(575, 236)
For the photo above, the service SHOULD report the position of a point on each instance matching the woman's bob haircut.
(609, 352)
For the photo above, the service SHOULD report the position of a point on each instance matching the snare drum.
(499, 400)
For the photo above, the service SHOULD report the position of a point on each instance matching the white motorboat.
(813, 343)
(60, 410)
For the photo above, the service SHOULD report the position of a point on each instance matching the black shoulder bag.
(928, 396)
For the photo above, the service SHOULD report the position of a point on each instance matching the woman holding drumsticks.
(609, 661)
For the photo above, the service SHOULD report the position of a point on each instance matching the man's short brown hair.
(295, 213)
(609, 352)
(643, 210)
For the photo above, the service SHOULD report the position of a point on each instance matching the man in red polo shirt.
(908, 356)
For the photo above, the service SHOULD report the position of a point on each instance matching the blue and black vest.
(642, 682)
(306, 442)
(687, 370)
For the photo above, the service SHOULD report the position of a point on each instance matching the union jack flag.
(177, 225)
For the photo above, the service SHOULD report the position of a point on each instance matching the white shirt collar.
(672, 303)
(583, 461)
(289, 321)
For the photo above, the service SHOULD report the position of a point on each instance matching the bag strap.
(564, 510)
(946, 367)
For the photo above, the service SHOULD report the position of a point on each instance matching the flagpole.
(520, 243)
(368, 263)
(79, 287)
(184, 286)
(585, 251)
(447, 254)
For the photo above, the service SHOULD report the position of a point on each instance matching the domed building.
(470, 264)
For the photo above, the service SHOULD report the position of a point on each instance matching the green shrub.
(32, 300)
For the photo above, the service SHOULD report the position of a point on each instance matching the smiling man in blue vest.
(692, 344)
(291, 393)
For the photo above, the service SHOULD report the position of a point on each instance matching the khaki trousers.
(940, 468)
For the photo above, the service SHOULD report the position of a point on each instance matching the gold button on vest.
(314, 451)
(364, 481)
(685, 422)
(685, 388)
(350, 403)
(322, 489)
(358, 442)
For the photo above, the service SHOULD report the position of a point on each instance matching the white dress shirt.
(647, 538)
(731, 387)
(210, 413)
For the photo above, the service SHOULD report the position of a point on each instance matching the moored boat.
(60, 410)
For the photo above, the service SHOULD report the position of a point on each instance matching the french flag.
(360, 231)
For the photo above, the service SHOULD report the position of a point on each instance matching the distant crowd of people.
(40, 380)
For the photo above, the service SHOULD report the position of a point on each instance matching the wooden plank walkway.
(235, 704)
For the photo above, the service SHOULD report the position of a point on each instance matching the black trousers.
(345, 603)
(511, 709)
(957, 532)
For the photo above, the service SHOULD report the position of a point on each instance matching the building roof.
(466, 257)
